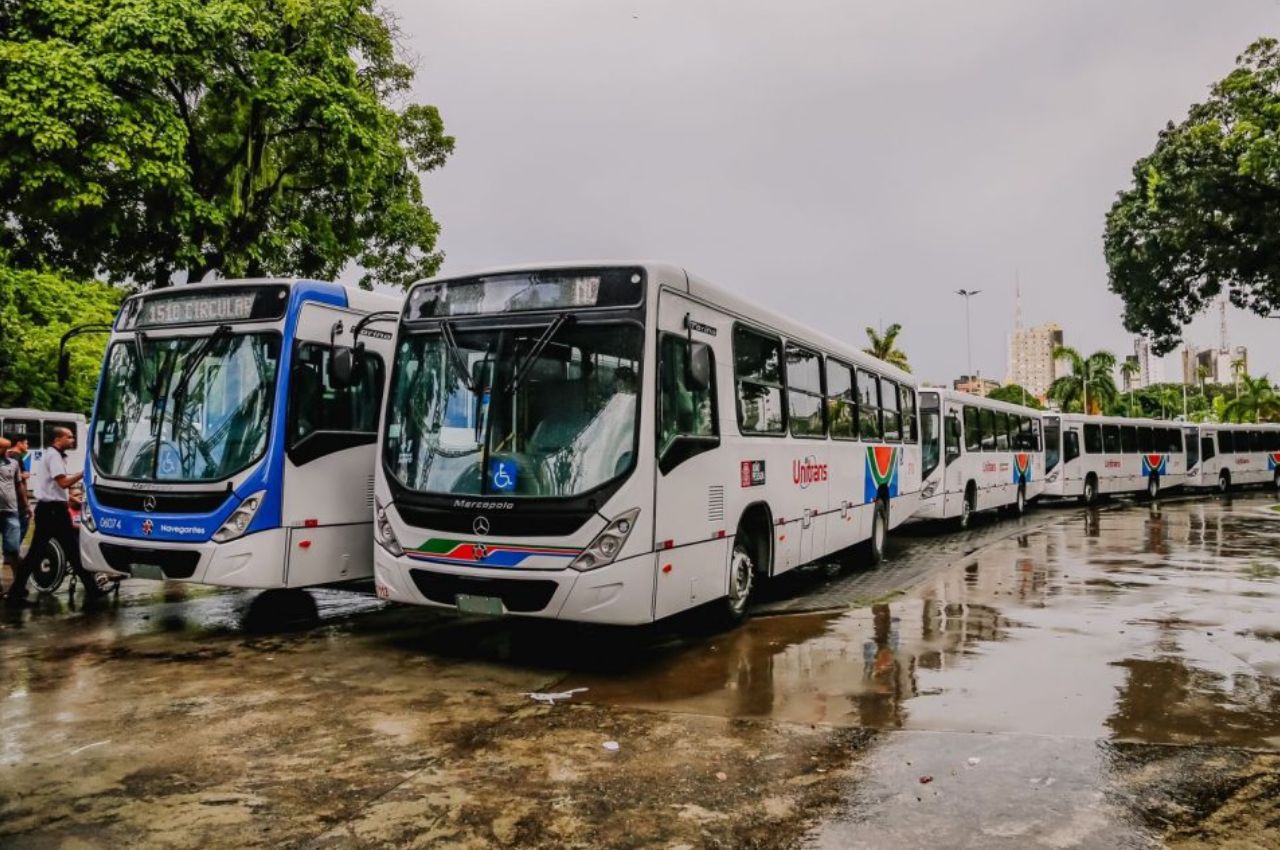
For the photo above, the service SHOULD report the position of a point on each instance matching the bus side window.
(952, 435)
(1129, 439)
(1093, 439)
(322, 418)
(989, 432)
(805, 398)
(1111, 439)
(890, 416)
(1071, 445)
(757, 369)
(841, 407)
(868, 405)
(1226, 442)
(1147, 439)
(1206, 448)
(972, 430)
(1175, 440)
(907, 404)
(689, 424)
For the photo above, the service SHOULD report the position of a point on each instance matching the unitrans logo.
(808, 471)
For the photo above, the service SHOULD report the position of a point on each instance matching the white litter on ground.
(553, 698)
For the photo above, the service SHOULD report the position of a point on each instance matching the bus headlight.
(929, 490)
(238, 523)
(384, 533)
(608, 543)
(86, 517)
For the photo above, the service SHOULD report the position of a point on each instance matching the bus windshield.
(191, 408)
(541, 411)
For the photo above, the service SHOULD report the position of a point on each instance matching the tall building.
(1031, 362)
(1189, 363)
(1142, 356)
(1134, 381)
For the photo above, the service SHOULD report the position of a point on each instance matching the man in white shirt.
(53, 520)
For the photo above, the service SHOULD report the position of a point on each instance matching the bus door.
(1191, 442)
(329, 438)
(700, 492)
(1072, 468)
(954, 476)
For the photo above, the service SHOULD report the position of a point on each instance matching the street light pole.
(968, 328)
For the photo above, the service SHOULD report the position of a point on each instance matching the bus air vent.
(715, 503)
(368, 491)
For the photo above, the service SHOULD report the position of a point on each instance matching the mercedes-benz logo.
(481, 526)
(149, 504)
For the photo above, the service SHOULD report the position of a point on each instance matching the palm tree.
(1255, 401)
(1090, 383)
(1237, 369)
(882, 346)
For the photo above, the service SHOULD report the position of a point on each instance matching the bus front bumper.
(620, 593)
(254, 561)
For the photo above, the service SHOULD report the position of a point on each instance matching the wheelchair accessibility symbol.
(502, 474)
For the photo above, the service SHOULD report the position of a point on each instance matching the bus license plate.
(150, 571)
(483, 606)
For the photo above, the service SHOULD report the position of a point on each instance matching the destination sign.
(206, 307)
(527, 292)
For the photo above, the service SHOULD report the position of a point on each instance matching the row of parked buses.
(600, 443)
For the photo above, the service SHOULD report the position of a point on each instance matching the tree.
(1129, 368)
(253, 137)
(1256, 400)
(36, 309)
(1090, 379)
(1203, 213)
(883, 346)
(1015, 394)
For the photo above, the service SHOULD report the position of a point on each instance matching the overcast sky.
(847, 163)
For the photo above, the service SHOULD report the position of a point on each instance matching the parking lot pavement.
(1072, 679)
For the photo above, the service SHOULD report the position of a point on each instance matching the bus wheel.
(51, 572)
(879, 531)
(732, 609)
(1090, 496)
(1277, 481)
(1153, 488)
(1224, 482)
(1020, 504)
(967, 507)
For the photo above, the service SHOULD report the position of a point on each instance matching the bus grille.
(518, 595)
(200, 502)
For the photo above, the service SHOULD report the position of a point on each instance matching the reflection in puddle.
(1141, 624)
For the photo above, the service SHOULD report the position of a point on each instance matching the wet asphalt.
(1103, 678)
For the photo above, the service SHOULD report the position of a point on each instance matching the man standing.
(20, 451)
(13, 505)
(53, 520)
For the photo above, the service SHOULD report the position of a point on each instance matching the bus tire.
(1020, 501)
(1090, 495)
(968, 507)
(52, 570)
(879, 532)
(731, 610)
(1277, 481)
(1153, 487)
(1224, 482)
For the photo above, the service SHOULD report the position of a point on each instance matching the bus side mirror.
(698, 367)
(64, 367)
(342, 367)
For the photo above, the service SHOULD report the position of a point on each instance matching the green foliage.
(1203, 213)
(1255, 400)
(36, 309)
(143, 137)
(1015, 394)
(1090, 379)
(883, 346)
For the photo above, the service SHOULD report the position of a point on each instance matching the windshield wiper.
(203, 347)
(455, 354)
(527, 362)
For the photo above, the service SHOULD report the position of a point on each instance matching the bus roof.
(983, 401)
(677, 278)
(33, 413)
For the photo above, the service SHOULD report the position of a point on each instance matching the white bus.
(977, 454)
(1224, 456)
(38, 426)
(224, 448)
(1091, 456)
(619, 443)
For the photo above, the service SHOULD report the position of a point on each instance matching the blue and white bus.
(225, 448)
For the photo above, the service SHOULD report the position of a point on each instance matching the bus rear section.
(619, 444)
(223, 450)
(1229, 456)
(978, 455)
(1107, 455)
(38, 427)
